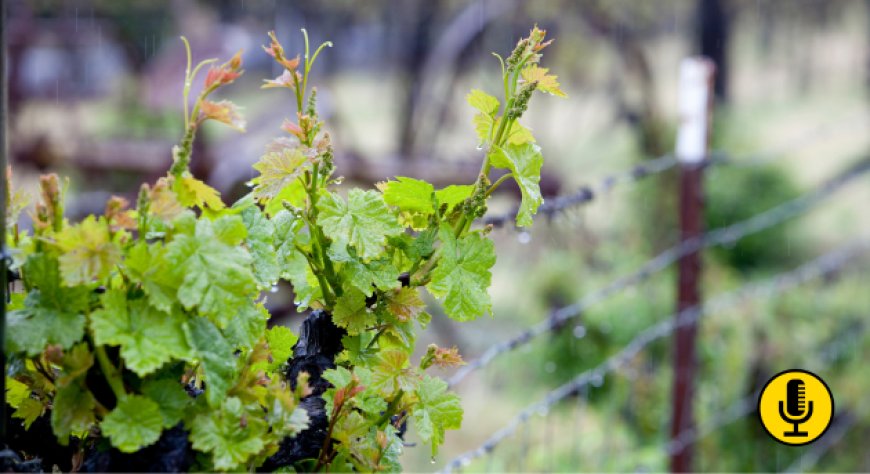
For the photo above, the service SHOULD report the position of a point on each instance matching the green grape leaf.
(379, 272)
(339, 377)
(147, 265)
(75, 364)
(29, 410)
(88, 251)
(171, 399)
(281, 341)
(216, 278)
(363, 222)
(278, 169)
(463, 276)
(135, 423)
(148, 337)
(351, 312)
(230, 434)
(518, 134)
(453, 195)
(437, 411)
(16, 392)
(73, 411)
(405, 304)
(52, 314)
(246, 329)
(293, 193)
(547, 83)
(483, 102)
(260, 244)
(294, 266)
(350, 428)
(409, 194)
(525, 163)
(216, 356)
(393, 372)
(193, 192)
(230, 229)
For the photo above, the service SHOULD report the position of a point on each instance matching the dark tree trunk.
(319, 343)
(713, 31)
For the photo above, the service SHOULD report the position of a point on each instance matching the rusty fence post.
(693, 144)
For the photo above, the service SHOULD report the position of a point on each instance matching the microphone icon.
(796, 409)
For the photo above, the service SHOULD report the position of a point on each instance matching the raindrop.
(432, 460)
(480, 147)
(550, 367)
(250, 184)
(597, 381)
(579, 331)
(274, 289)
(524, 237)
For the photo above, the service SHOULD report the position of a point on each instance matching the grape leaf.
(171, 399)
(52, 314)
(483, 102)
(462, 276)
(135, 423)
(216, 278)
(88, 251)
(525, 163)
(409, 194)
(453, 195)
(229, 434)
(16, 392)
(148, 337)
(259, 242)
(405, 303)
(393, 372)
(278, 169)
(363, 222)
(147, 265)
(339, 377)
(247, 327)
(29, 410)
(363, 275)
(351, 312)
(547, 83)
(193, 192)
(518, 135)
(216, 356)
(437, 411)
(73, 411)
(294, 266)
(230, 229)
(281, 341)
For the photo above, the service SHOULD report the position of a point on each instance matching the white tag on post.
(696, 76)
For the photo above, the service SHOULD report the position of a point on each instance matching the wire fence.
(722, 236)
(586, 194)
(823, 266)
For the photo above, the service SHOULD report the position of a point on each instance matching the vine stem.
(113, 376)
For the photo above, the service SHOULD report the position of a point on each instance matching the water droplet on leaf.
(579, 331)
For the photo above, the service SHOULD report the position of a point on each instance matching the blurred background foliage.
(95, 94)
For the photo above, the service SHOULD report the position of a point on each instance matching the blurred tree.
(713, 28)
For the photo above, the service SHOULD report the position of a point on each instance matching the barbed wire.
(720, 236)
(809, 459)
(825, 265)
(588, 193)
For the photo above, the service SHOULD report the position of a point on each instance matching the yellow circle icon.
(796, 407)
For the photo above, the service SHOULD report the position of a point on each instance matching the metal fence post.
(693, 137)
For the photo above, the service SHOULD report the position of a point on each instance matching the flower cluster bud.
(521, 101)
